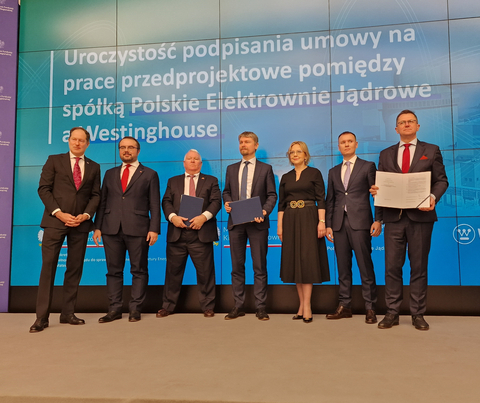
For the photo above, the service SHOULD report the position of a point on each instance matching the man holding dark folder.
(244, 180)
(193, 236)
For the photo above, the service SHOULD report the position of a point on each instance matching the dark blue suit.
(351, 228)
(263, 185)
(410, 226)
(197, 243)
(125, 218)
(57, 191)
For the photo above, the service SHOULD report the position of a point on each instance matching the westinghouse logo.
(2, 43)
(464, 234)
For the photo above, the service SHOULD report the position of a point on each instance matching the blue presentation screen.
(195, 74)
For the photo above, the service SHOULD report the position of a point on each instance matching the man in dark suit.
(409, 228)
(192, 237)
(350, 223)
(245, 179)
(70, 190)
(128, 218)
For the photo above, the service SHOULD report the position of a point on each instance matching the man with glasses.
(409, 228)
(128, 219)
(70, 190)
(192, 237)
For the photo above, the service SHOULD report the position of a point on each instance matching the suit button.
(346, 193)
(123, 197)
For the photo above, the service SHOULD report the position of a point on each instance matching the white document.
(403, 190)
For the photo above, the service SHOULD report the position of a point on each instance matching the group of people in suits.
(127, 211)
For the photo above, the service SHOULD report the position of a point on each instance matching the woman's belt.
(301, 203)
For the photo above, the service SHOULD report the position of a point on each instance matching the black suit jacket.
(427, 157)
(137, 210)
(57, 191)
(356, 197)
(263, 185)
(207, 188)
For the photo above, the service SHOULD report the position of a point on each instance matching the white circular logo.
(464, 234)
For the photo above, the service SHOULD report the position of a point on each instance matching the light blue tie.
(348, 172)
(243, 185)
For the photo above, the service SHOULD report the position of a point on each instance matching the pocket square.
(424, 157)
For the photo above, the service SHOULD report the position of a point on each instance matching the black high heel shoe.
(297, 317)
(308, 320)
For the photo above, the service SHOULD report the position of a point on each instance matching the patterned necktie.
(125, 175)
(348, 172)
(243, 185)
(406, 159)
(77, 173)
(192, 185)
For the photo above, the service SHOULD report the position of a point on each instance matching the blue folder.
(246, 210)
(190, 206)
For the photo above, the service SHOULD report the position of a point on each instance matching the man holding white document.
(193, 236)
(411, 223)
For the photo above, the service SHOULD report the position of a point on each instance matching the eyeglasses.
(129, 148)
(296, 152)
(404, 122)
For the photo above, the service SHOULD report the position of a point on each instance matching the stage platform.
(189, 358)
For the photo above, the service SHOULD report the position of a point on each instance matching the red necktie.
(192, 185)
(406, 159)
(126, 173)
(77, 173)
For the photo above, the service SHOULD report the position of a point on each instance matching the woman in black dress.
(301, 228)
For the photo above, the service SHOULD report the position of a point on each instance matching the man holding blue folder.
(192, 237)
(244, 180)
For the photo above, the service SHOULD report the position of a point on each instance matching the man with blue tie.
(409, 229)
(350, 225)
(245, 179)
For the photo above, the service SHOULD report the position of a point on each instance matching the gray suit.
(263, 185)
(351, 228)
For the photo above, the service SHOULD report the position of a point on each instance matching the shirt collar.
(413, 142)
(133, 164)
(352, 160)
(194, 175)
(74, 156)
(252, 161)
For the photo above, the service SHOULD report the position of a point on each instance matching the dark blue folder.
(246, 210)
(190, 206)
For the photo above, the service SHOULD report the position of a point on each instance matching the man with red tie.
(70, 190)
(409, 228)
(192, 237)
(128, 218)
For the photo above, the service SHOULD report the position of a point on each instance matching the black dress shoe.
(209, 313)
(341, 312)
(163, 313)
(39, 325)
(234, 313)
(110, 317)
(297, 317)
(388, 321)
(134, 316)
(419, 322)
(262, 314)
(370, 317)
(71, 319)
